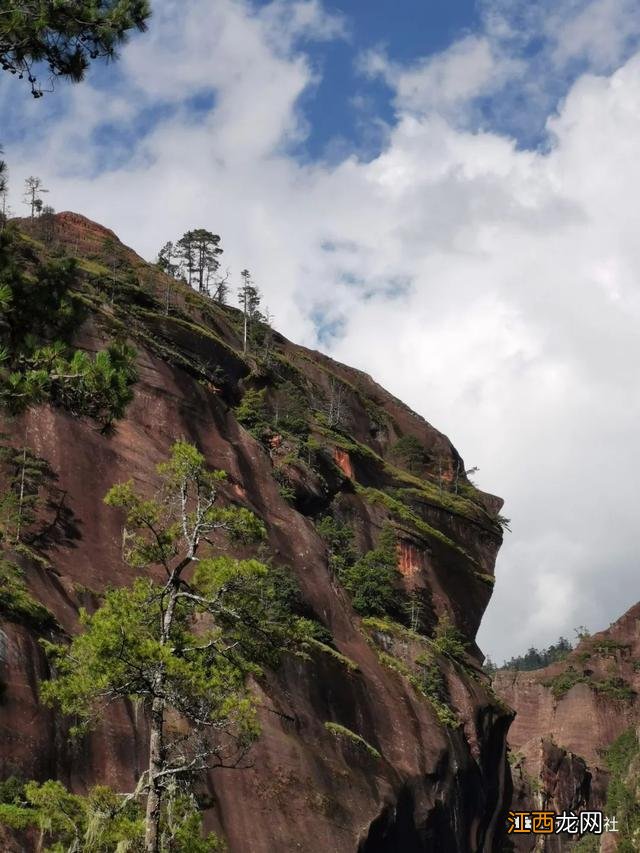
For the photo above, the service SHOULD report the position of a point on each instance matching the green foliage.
(103, 821)
(16, 602)
(539, 658)
(448, 640)
(564, 681)
(338, 537)
(64, 38)
(349, 664)
(22, 474)
(607, 646)
(344, 733)
(12, 790)
(428, 682)
(409, 453)
(623, 758)
(16, 817)
(613, 688)
(388, 626)
(372, 581)
(404, 514)
(292, 409)
(198, 251)
(37, 363)
(285, 486)
(425, 675)
(252, 411)
(180, 646)
(433, 685)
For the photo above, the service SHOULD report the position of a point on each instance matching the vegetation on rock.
(39, 314)
(183, 646)
(102, 821)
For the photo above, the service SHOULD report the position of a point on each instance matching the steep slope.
(319, 439)
(567, 716)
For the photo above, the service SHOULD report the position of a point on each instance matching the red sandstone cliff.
(435, 787)
(567, 715)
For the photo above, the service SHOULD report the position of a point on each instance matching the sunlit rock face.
(437, 776)
(567, 715)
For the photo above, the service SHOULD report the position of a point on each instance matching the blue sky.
(409, 30)
(443, 194)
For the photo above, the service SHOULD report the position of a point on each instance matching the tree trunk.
(156, 736)
(19, 524)
(154, 800)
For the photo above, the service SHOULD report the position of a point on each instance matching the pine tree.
(185, 645)
(23, 474)
(33, 187)
(64, 37)
(249, 297)
(199, 250)
(3, 174)
(167, 258)
(221, 288)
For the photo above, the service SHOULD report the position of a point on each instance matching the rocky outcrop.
(427, 784)
(567, 715)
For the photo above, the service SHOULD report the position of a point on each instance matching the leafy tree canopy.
(182, 646)
(373, 580)
(64, 36)
(38, 316)
(101, 822)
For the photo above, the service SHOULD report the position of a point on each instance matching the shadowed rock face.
(435, 787)
(566, 716)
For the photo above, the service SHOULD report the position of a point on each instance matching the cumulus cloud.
(445, 82)
(500, 284)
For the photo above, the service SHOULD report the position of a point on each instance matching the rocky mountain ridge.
(384, 737)
(568, 716)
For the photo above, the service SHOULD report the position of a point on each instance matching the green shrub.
(37, 363)
(252, 412)
(101, 821)
(612, 688)
(292, 409)
(433, 685)
(622, 759)
(16, 817)
(448, 640)
(338, 537)
(372, 581)
(409, 453)
(343, 732)
(12, 790)
(564, 681)
(16, 602)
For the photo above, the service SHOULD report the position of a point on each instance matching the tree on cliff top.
(64, 36)
(184, 646)
(249, 298)
(198, 251)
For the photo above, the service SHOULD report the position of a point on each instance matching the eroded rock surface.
(567, 715)
(435, 786)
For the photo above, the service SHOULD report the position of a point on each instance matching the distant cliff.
(414, 756)
(567, 716)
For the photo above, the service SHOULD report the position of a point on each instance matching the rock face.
(436, 785)
(567, 715)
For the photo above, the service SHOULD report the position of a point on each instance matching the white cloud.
(500, 285)
(444, 82)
